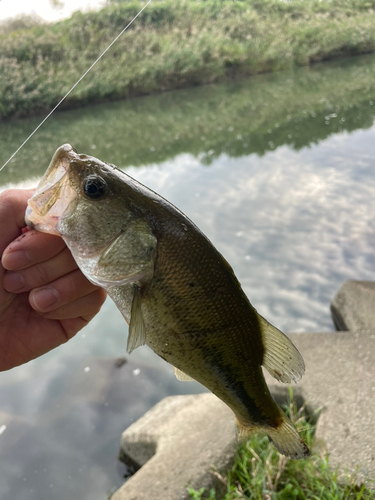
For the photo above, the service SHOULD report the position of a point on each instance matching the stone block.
(340, 379)
(353, 306)
(177, 442)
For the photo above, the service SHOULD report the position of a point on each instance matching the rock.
(177, 442)
(353, 306)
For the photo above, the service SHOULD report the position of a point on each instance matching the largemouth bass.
(176, 291)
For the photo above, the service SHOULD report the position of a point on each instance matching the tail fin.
(284, 437)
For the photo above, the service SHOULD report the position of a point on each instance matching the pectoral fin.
(180, 375)
(281, 358)
(130, 257)
(137, 329)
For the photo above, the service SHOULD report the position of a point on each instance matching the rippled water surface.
(278, 171)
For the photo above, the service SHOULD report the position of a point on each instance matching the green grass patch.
(260, 472)
(173, 44)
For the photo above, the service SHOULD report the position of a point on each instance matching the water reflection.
(293, 225)
(287, 198)
(296, 108)
(62, 438)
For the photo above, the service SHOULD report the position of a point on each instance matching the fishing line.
(75, 85)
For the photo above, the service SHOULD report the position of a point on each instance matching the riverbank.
(173, 44)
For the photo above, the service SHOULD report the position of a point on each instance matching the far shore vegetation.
(173, 44)
(259, 472)
(296, 108)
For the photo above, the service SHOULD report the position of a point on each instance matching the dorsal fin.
(281, 358)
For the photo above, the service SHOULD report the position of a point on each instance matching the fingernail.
(44, 298)
(13, 282)
(16, 260)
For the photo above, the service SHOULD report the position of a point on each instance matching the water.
(276, 170)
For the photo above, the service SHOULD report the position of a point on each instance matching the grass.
(174, 44)
(260, 472)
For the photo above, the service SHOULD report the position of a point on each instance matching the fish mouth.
(54, 194)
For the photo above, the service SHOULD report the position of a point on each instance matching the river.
(277, 170)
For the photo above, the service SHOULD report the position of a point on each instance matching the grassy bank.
(260, 472)
(174, 44)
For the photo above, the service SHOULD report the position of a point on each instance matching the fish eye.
(94, 187)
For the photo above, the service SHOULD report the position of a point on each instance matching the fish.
(175, 290)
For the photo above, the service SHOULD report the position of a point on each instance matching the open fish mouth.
(54, 194)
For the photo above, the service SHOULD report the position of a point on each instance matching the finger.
(61, 292)
(74, 325)
(31, 248)
(85, 307)
(40, 274)
(13, 204)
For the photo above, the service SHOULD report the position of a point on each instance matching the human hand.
(44, 298)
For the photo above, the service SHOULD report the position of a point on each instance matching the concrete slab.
(177, 443)
(353, 306)
(340, 378)
(179, 440)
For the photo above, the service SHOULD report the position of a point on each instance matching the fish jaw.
(54, 196)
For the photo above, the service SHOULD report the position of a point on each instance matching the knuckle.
(9, 196)
(97, 300)
(101, 296)
(12, 200)
(39, 274)
(7, 200)
(71, 286)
